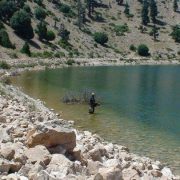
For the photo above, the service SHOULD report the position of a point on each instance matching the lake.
(140, 105)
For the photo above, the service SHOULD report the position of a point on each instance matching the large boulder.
(37, 153)
(52, 136)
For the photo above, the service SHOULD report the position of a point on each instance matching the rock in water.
(52, 136)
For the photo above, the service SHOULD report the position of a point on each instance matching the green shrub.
(65, 45)
(27, 8)
(70, 62)
(64, 8)
(47, 54)
(132, 47)
(4, 65)
(100, 38)
(176, 33)
(59, 54)
(26, 49)
(7, 9)
(50, 36)
(21, 23)
(4, 39)
(1, 25)
(143, 50)
(41, 30)
(121, 29)
(39, 2)
(40, 13)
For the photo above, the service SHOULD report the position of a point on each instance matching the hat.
(93, 93)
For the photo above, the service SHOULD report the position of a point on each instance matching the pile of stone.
(36, 145)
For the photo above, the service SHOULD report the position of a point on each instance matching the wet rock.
(52, 136)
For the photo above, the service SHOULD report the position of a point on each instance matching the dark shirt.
(92, 102)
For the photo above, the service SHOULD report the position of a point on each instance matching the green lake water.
(140, 105)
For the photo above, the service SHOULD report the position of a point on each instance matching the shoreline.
(90, 157)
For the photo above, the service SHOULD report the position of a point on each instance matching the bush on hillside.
(7, 9)
(101, 38)
(132, 47)
(143, 50)
(121, 29)
(21, 23)
(1, 25)
(26, 49)
(41, 30)
(4, 65)
(27, 8)
(4, 39)
(176, 33)
(40, 13)
(39, 2)
(50, 36)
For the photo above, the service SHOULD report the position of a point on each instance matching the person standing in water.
(92, 104)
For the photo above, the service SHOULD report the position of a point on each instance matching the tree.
(155, 32)
(101, 38)
(126, 10)
(90, 6)
(120, 2)
(143, 50)
(50, 36)
(153, 10)
(7, 9)
(175, 5)
(40, 13)
(26, 49)
(39, 2)
(21, 23)
(145, 12)
(4, 39)
(27, 8)
(64, 33)
(176, 33)
(41, 30)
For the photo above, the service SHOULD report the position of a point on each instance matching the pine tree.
(175, 5)
(153, 10)
(144, 13)
(126, 10)
(90, 6)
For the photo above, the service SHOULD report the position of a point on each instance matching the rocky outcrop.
(50, 136)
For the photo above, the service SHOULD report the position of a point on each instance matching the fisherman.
(92, 104)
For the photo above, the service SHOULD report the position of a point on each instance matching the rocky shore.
(36, 144)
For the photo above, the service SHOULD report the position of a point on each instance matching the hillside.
(122, 30)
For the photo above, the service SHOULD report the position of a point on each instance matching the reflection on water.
(140, 109)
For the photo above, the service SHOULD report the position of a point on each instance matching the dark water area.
(140, 105)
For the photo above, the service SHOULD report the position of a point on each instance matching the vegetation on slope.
(89, 28)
